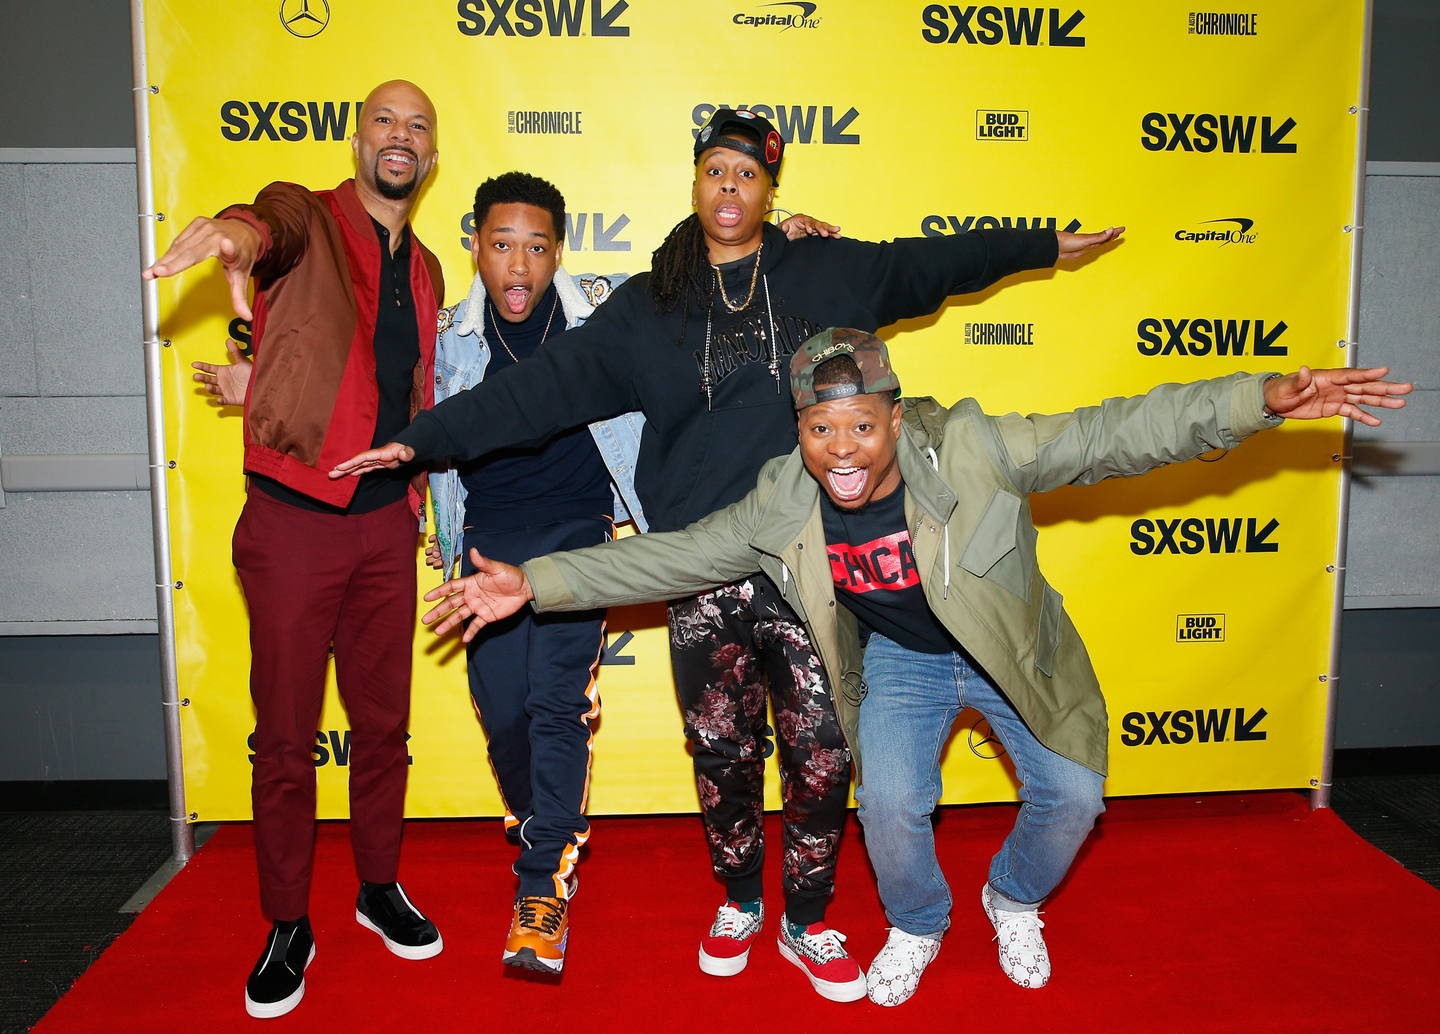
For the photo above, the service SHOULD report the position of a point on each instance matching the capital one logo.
(803, 17)
(305, 18)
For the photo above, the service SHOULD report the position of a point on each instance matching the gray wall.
(1394, 549)
(71, 382)
(87, 710)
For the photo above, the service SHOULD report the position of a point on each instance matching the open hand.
(492, 593)
(802, 225)
(229, 382)
(233, 241)
(1315, 394)
(388, 456)
(1077, 245)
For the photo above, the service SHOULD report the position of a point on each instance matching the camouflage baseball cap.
(867, 350)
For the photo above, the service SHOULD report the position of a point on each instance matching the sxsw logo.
(992, 26)
(795, 123)
(1191, 535)
(802, 17)
(562, 123)
(1200, 628)
(1002, 125)
(999, 333)
(533, 17)
(1227, 337)
(333, 745)
(1208, 23)
(1237, 234)
(1144, 729)
(1231, 133)
(288, 120)
(602, 234)
(936, 225)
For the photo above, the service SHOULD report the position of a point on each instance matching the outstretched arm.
(1173, 423)
(639, 569)
(576, 377)
(264, 239)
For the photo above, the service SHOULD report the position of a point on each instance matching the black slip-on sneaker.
(277, 983)
(386, 909)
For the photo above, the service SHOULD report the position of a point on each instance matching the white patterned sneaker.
(1023, 955)
(726, 949)
(820, 954)
(896, 971)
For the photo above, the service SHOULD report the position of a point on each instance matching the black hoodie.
(693, 459)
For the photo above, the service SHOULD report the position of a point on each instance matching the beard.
(397, 191)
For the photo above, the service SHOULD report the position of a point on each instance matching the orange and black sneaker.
(538, 934)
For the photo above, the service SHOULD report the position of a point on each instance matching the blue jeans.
(905, 720)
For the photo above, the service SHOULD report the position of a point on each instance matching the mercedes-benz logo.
(983, 742)
(304, 18)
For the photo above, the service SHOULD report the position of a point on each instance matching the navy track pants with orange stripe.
(533, 680)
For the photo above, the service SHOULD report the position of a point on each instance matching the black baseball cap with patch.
(768, 152)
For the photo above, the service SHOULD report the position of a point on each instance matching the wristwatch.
(1264, 409)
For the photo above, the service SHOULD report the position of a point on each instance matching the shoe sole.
(850, 991)
(990, 915)
(269, 1010)
(526, 958)
(405, 951)
(719, 966)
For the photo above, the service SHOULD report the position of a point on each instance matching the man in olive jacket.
(940, 580)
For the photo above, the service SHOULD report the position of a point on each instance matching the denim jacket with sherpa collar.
(461, 357)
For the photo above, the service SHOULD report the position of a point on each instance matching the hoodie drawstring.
(935, 462)
(774, 341)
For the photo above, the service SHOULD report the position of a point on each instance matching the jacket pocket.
(1047, 639)
(994, 536)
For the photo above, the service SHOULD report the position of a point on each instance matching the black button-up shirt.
(397, 352)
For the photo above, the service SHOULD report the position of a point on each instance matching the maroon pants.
(312, 580)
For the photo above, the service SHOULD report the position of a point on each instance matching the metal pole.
(1320, 792)
(182, 835)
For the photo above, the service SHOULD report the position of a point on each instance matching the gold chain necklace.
(495, 315)
(754, 278)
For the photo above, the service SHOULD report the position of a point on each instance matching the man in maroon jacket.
(344, 333)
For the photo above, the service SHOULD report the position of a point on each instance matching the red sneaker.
(820, 953)
(726, 949)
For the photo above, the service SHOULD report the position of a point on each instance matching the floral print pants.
(726, 648)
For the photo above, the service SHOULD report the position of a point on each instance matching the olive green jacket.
(968, 478)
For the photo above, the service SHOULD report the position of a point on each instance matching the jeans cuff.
(1005, 904)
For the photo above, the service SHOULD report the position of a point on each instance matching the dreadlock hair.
(680, 268)
(520, 188)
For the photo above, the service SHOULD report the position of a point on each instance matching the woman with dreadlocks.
(701, 345)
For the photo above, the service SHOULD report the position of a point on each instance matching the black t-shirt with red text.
(872, 562)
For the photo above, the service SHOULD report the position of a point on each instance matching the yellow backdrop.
(1226, 145)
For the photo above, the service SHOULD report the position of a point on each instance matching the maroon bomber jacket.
(312, 399)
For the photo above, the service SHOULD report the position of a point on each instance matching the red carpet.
(1224, 913)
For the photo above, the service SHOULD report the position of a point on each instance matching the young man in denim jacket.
(533, 676)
